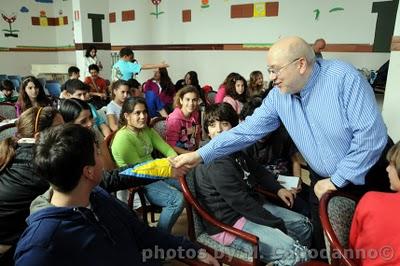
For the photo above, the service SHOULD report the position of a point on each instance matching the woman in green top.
(133, 143)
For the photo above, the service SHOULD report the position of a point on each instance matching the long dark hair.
(194, 81)
(231, 90)
(33, 120)
(70, 109)
(128, 107)
(165, 82)
(90, 48)
(23, 98)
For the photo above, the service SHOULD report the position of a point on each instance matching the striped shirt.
(334, 122)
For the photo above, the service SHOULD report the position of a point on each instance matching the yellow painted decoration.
(43, 21)
(60, 20)
(259, 9)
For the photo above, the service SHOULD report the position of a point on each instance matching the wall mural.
(45, 21)
(24, 9)
(157, 13)
(318, 12)
(10, 19)
(259, 9)
(205, 4)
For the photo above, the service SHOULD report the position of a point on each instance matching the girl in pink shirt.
(183, 129)
(236, 92)
(221, 93)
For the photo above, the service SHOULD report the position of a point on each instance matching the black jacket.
(20, 185)
(225, 188)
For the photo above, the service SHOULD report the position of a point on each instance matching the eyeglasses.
(278, 71)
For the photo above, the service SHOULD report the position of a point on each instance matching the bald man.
(331, 114)
(318, 46)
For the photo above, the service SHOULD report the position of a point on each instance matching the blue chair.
(42, 82)
(15, 77)
(16, 82)
(3, 77)
(54, 89)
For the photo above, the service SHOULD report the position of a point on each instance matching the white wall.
(391, 107)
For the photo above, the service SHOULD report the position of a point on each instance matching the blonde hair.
(393, 156)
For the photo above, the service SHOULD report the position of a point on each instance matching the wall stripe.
(395, 43)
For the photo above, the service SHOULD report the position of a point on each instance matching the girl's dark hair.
(165, 82)
(229, 77)
(231, 90)
(220, 112)
(194, 81)
(128, 107)
(115, 85)
(133, 83)
(90, 48)
(23, 98)
(248, 108)
(33, 120)
(179, 95)
(71, 108)
(7, 85)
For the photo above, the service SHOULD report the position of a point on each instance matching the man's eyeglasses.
(278, 71)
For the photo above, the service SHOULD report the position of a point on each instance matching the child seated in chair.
(8, 94)
(225, 187)
(78, 223)
(374, 229)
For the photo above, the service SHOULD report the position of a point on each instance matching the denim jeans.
(166, 194)
(276, 246)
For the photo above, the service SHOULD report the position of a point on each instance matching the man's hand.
(287, 196)
(207, 258)
(188, 160)
(323, 186)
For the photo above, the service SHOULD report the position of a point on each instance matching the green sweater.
(129, 147)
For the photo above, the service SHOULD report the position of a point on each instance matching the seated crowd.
(55, 201)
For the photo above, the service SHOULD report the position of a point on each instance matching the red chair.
(336, 210)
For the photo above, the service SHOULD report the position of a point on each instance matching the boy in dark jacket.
(225, 187)
(78, 223)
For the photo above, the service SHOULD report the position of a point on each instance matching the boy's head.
(249, 107)
(94, 71)
(7, 87)
(135, 87)
(218, 118)
(126, 54)
(73, 72)
(77, 89)
(67, 155)
(393, 168)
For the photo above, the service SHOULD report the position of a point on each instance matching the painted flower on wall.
(9, 19)
(157, 13)
(204, 4)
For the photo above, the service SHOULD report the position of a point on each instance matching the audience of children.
(90, 59)
(183, 129)
(236, 92)
(161, 85)
(31, 94)
(133, 143)
(119, 93)
(127, 67)
(78, 223)
(225, 187)
(8, 94)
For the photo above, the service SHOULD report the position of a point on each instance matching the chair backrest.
(7, 110)
(15, 82)
(336, 212)
(210, 97)
(7, 131)
(54, 89)
(159, 124)
(42, 81)
(18, 77)
(3, 77)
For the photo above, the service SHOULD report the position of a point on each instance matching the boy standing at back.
(226, 188)
(78, 223)
(127, 67)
